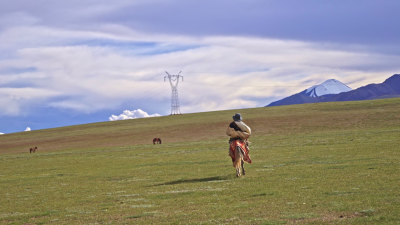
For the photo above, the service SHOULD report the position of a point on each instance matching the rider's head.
(237, 117)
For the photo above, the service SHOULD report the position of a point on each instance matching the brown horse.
(33, 150)
(239, 152)
(156, 141)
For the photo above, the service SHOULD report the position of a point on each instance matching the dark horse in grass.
(156, 141)
(33, 150)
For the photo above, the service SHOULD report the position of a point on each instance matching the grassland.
(330, 163)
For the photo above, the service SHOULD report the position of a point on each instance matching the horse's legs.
(239, 162)
(238, 172)
(238, 167)
(244, 172)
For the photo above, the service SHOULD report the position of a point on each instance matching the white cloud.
(1, 133)
(134, 114)
(14, 100)
(27, 129)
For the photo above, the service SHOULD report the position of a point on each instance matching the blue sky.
(72, 62)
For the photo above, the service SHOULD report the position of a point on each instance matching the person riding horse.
(239, 132)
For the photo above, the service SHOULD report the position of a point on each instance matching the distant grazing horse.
(156, 141)
(239, 152)
(33, 150)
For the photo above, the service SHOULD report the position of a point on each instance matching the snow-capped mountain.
(331, 86)
(333, 90)
(313, 93)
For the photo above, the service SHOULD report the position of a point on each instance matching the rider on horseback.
(239, 133)
(238, 129)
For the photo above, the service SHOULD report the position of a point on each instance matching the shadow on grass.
(199, 180)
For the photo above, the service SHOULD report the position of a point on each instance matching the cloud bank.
(134, 114)
(219, 72)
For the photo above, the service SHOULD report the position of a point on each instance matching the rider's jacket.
(238, 129)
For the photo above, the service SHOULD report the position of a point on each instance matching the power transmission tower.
(174, 81)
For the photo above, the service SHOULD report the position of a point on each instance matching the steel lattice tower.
(174, 81)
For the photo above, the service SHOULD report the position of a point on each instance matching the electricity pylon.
(174, 81)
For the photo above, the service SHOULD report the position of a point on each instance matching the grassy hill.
(333, 163)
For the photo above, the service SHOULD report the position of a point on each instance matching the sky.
(81, 61)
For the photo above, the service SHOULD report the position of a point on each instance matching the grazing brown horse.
(33, 150)
(156, 141)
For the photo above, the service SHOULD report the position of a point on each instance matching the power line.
(174, 81)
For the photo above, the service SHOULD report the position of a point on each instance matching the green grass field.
(330, 163)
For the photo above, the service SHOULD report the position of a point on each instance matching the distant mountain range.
(334, 90)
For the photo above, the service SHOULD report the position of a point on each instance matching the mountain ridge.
(388, 89)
